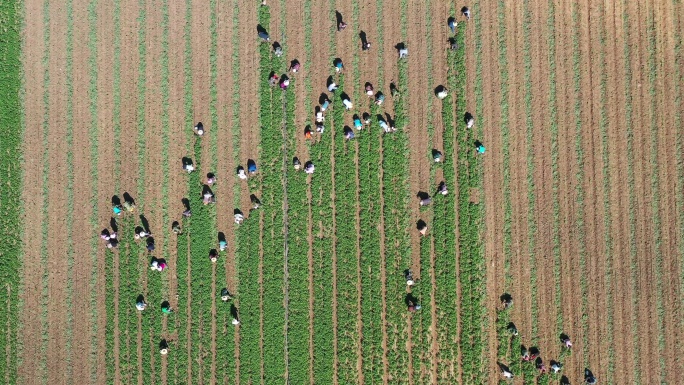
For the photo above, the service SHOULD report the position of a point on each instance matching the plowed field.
(575, 210)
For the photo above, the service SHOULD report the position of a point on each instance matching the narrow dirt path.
(619, 196)
(493, 167)
(105, 171)
(30, 329)
(665, 115)
(57, 203)
(589, 18)
(82, 232)
(642, 188)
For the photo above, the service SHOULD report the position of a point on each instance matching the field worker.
(437, 156)
(341, 26)
(332, 87)
(379, 98)
(319, 116)
(140, 305)
(452, 24)
(403, 52)
(199, 129)
(409, 278)
(442, 93)
(422, 227)
(339, 66)
(294, 66)
(365, 46)
(223, 245)
(163, 348)
(105, 235)
(187, 213)
(211, 179)
(150, 245)
(239, 218)
(366, 118)
(309, 167)
(507, 301)
(348, 133)
(263, 35)
(166, 308)
(208, 198)
(235, 322)
(524, 353)
(479, 147)
(453, 44)
(512, 329)
(326, 104)
(256, 203)
(369, 89)
(188, 167)
(425, 201)
(284, 83)
(506, 373)
(129, 206)
(307, 134)
(278, 50)
(273, 79)
(117, 209)
(556, 366)
(251, 166)
(241, 173)
(566, 342)
(589, 377)
(141, 234)
(347, 103)
(213, 256)
(112, 243)
(383, 124)
(442, 188)
(539, 364)
(225, 295)
(319, 128)
(175, 227)
(296, 163)
(357, 122)
(466, 12)
(413, 307)
(469, 120)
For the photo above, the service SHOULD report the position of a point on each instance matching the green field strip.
(93, 133)
(471, 265)
(657, 237)
(270, 157)
(11, 104)
(142, 91)
(397, 222)
(42, 363)
(503, 317)
(607, 214)
(69, 188)
(629, 133)
(324, 370)
(580, 229)
(129, 255)
(553, 128)
(112, 314)
(679, 153)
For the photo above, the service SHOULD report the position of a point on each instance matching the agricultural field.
(575, 210)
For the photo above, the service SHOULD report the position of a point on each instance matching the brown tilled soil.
(81, 231)
(57, 352)
(30, 330)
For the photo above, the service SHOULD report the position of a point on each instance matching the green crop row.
(471, 260)
(655, 190)
(397, 222)
(325, 336)
(42, 363)
(271, 159)
(579, 176)
(69, 212)
(10, 174)
(607, 215)
(678, 74)
(95, 241)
